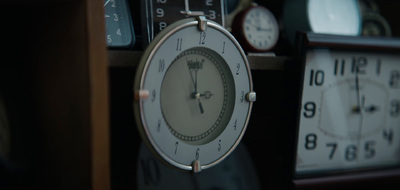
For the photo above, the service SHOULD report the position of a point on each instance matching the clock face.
(350, 112)
(197, 94)
(198, 108)
(260, 28)
(119, 28)
(158, 14)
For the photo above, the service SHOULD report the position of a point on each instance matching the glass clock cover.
(350, 107)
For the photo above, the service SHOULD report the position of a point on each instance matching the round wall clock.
(194, 94)
(256, 29)
(349, 110)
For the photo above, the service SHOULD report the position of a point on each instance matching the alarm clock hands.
(360, 108)
(259, 28)
(360, 104)
(370, 109)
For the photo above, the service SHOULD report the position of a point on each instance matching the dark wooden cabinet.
(55, 83)
(69, 98)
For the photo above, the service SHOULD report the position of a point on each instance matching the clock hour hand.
(371, 109)
(265, 29)
(200, 106)
(360, 108)
(197, 96)
(258, 28)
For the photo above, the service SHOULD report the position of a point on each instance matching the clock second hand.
(360, 108)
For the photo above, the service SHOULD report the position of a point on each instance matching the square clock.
(348, 114)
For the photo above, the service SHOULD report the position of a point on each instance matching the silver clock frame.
(141, 94)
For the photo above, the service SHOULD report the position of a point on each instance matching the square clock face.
(349, 115)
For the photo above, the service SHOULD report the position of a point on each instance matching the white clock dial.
(194, 94)
(338, 121)
(260, 28)
(198, 107)
(350, 108)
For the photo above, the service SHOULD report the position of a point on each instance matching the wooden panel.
(58, 51)
(98, 78)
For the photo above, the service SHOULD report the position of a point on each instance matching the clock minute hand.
(191, 76)
(359, 108)
(371, 108)
(360, 105)
(195, 94)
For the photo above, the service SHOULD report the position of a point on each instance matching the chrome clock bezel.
(243, 89)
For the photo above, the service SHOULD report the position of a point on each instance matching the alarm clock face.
(260, 28)
(350, 112)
